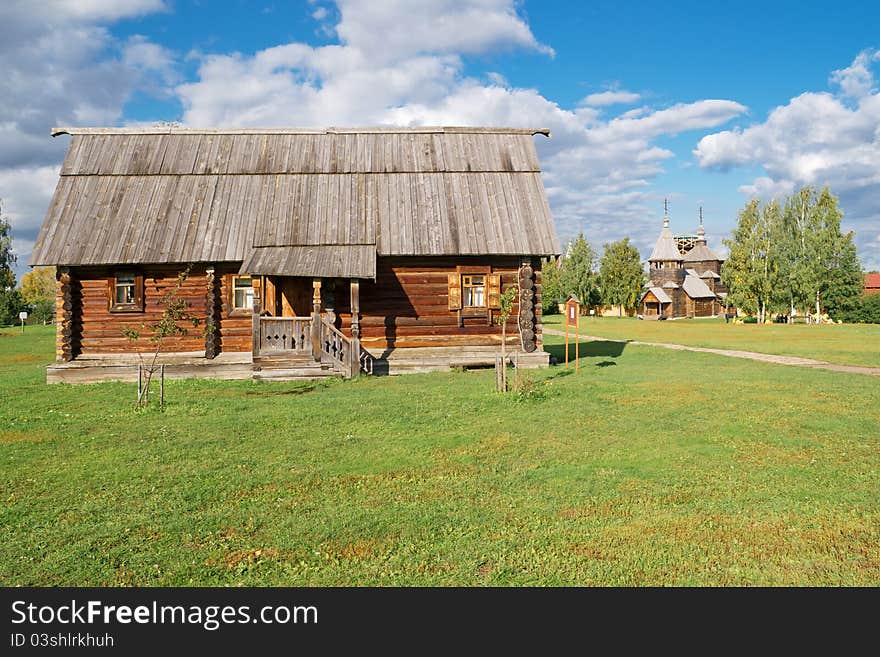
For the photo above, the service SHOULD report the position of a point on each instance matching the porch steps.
(292, 367)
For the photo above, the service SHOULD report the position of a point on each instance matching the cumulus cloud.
(400, 67)
(818, 138)
(612, 97)
(61, 65)
(857, 80)
(397, 28)
(391, 66)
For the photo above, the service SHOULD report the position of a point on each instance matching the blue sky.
(706, 103)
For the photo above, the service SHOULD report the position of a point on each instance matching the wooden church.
(309, 253)
(684, 276)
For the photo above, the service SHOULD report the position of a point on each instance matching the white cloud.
(398, 28)
(597, 171)
(612, 97)
(93, 10)
(25, 193)
(140, 54)
(856, 80)
(396, 63)
(62, 66)
(817, 138)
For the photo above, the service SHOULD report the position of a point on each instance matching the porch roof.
(336, 261)
(659, 293)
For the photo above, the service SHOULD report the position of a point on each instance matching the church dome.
(665, 248)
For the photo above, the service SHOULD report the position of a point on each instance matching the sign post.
(22, 316)
(572, 315)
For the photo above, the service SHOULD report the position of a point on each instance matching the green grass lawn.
(647, 467)
(846, 344)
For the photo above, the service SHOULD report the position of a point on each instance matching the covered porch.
(655, 303)
(296, 327)
(296, 292)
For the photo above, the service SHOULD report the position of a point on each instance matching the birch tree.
(793, 256)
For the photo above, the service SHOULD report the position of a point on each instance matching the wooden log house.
(308, 253)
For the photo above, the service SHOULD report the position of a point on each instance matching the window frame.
(137, 305)
(230, 299)
(471, 285)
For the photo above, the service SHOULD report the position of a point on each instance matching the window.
(474, 292)
(124, 290)
(127, 292)
(473, 289)
(242, 293)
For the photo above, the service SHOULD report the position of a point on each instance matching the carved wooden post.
(67, 342)
(527, 324)
(316, 319)
(255, 316)
(212, 314)
(355, 287)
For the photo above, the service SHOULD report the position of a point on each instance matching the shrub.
(866, 311)
(11, 304)
(525, 388)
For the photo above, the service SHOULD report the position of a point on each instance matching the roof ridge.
(172, 130)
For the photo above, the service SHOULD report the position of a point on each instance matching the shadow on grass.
(269, 392)
(591, 349)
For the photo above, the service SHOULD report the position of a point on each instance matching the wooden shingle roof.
(161, 195)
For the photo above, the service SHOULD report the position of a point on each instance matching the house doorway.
(288, 296)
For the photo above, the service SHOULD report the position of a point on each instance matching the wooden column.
(355, 290)
(316, 319)
(255, 317)
(527, 327)
(212, 314)
(68, 328)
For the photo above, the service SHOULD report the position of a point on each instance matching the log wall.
(101, 331)
(407, 305)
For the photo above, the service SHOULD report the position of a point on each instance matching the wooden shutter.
(493, 291)
(454, 285)
(139, 291)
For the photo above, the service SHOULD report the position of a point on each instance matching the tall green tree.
(38, 291)
(793, 256)
(741, 271)
(11, 302)
(813, 243)
(7, 256)
(621, 275)
(822, 268)
(552, 293)
(842, 281)
(579, 272)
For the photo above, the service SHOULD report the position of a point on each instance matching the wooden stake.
(162, 386)
(566, 336)
(577, 323)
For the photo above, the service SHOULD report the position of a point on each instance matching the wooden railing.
(336, 347)
(311, 335)
(344, 352)
(365, 361)
(285, 334)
